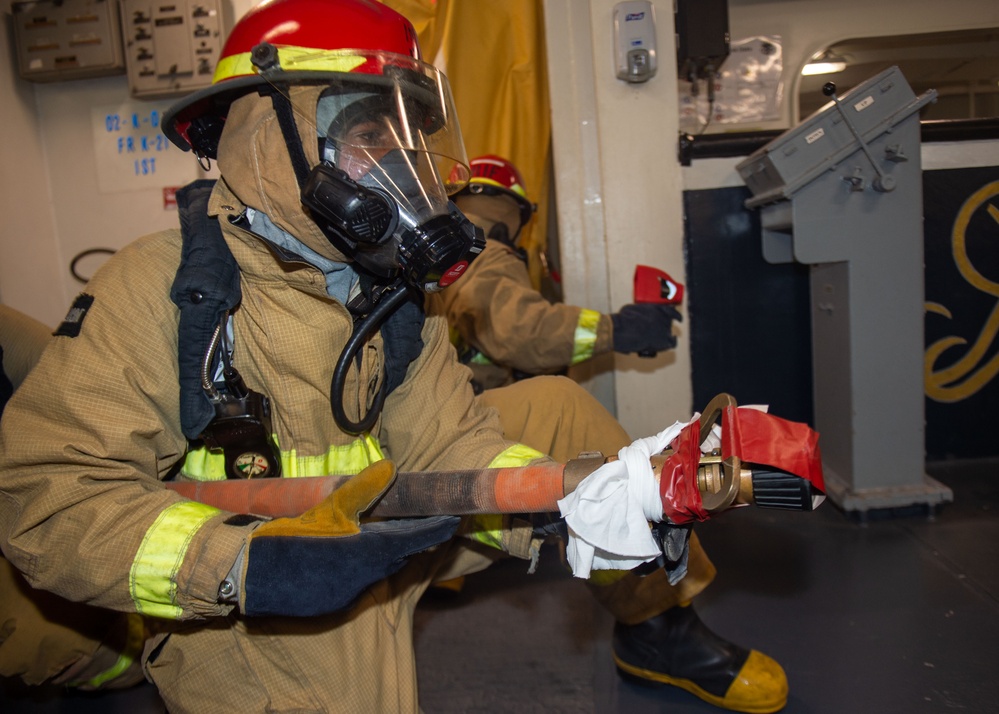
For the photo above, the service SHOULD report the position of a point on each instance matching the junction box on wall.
(702, 37)
(167, 47)
(67, 39)
(171, 46)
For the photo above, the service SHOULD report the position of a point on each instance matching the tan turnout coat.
(94, 429)
(495, 309)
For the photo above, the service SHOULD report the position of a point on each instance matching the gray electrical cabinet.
(842, 193)
(171, 48)
(58, 40)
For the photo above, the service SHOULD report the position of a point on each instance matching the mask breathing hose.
(390, 300)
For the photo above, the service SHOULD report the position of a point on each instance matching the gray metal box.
(172, 48)
(842, 193)
(58, 40)
(823, 140)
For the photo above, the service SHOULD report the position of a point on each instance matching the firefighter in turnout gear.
(283, 335)
(45, 637)
(22, 339)
(316, 119)
(501, 325)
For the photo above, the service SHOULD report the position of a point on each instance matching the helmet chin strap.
(265, 58)
(286, 120)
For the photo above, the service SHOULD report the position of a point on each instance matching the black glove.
(321, 561)
(645, 328)
(548, 524)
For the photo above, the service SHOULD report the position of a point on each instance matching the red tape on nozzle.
(756, 438)
(760, 438)
(678, 482)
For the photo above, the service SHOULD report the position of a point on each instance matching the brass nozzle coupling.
(727, 483)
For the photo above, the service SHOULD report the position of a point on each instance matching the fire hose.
(771, 464)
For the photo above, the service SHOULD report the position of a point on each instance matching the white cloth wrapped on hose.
(608, 514)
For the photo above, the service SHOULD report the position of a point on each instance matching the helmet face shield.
(369, 142)
(373, 102)
(387, 136)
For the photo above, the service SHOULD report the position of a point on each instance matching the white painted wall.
(52, 204)
(619, 193)
(29, 251)
(619, 182)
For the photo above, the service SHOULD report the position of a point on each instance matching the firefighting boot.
(677, 648)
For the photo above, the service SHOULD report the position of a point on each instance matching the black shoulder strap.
(206, 285)
(403, 339)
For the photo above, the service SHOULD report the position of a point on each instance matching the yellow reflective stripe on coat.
(153, 578)
(300, 59)
(584, 340)
(464, 348)
(203, 464)
(516, 455)
(488, 529)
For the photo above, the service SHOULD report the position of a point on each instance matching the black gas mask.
(366, 221)
(378, 195)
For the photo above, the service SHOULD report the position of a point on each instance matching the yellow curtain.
(493, 53)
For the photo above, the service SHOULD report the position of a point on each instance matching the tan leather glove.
(320, 561)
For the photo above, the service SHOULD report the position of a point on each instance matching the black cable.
(709, 72)
(390, 300)
(230, 375)
(81, 256)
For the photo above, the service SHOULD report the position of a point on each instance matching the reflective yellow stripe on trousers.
(488, 529)
(134, 641)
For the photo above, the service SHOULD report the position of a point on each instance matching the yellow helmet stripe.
(300, 59)
(516, 188)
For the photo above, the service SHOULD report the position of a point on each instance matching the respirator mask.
(385, 141)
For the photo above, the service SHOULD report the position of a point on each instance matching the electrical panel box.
(67, 39)
(171, 46)
(702, 37)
